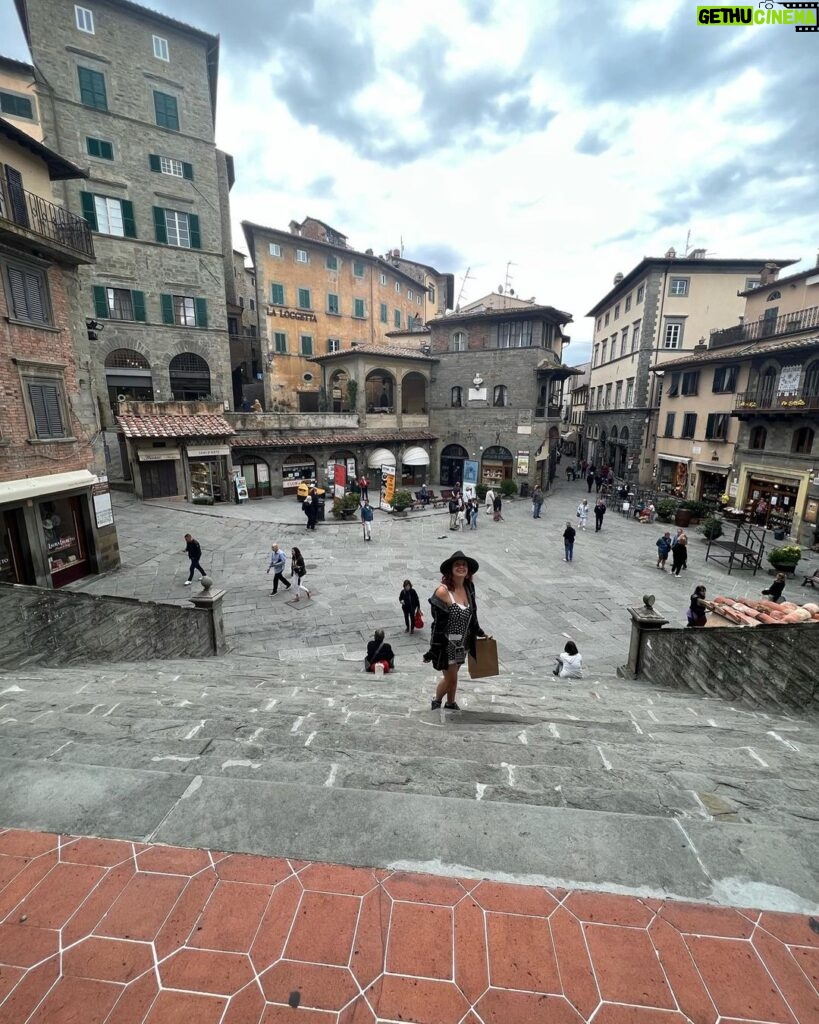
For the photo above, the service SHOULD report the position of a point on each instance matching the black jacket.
(409, 598)
(569, 534)
(381, 652)
(437, 652)
(194, 550)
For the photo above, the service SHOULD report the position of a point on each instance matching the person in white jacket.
(489, 501)
(569, 663)
(583, 513)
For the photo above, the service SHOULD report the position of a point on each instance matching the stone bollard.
(211, 600)
(642, 620)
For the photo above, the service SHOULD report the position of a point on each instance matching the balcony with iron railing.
(761, 403)
(29, 222)
(772, 327)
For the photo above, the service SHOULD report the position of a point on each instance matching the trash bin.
(524, 490)
(779, 534)
(320, 516)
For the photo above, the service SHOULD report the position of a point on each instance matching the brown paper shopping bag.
(485, 662)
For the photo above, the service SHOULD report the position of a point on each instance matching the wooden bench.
(443, 500)
(811, 580)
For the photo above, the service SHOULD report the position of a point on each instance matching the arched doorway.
(379, 390)
(127, 375)
(257, 476)
(496, 466)
(296, 468)
(190, 376)
(414, 394)
(612, 460)
(339, 394)
(452, 465)
(624, 460)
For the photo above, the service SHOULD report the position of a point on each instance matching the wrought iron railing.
(27, 210)
(760, 401)
(787, 323)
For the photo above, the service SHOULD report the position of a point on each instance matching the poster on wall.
(470, 472)
(522, 464)
(789, 380)
(351, 469)
(102, 510)
(387, 487)
(339, 480)
(240, 483)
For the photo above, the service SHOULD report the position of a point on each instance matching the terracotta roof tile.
(203, 425)
(376, 350)
(311, 440)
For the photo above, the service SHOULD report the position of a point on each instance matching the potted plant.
(711, 528)
(698, 509)
(402, 500)
(346, 507)
(508, 488)
(665, 510)
(480, 491)
(785, 559)
(352, 394)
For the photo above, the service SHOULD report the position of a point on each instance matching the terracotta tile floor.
(106, 932)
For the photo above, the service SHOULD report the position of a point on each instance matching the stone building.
(315, 294)
(247, 364)
(662, 307)
(496, 394)
(573, 431)
(131, 95)
(56, 523)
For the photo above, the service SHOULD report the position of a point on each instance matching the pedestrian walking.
(462, 516)
(599, 512)
(598, 482)
(278, 561)
(489, 501)
(663, 550)
(364, 488)
(410, 604)
(569, 662)
(774, 591)
(697, 608)
(194, 553)
(583, 513)
(679, 552)
(453, 506)
(455, 625)
(298, 569)
(497, 508)
(537, 501)
(590, 478)
(367, 519)
(380, 657)
(307, 509)
(473, 509)
(569, 535)
(312, 519)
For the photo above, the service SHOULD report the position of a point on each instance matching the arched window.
(458, 341)
(414, 394)
(500, 395)
(379, 388)
(457, 397)
(811, 386)
(126, 358)
(767, 387)
(190, 376)
(774, 296)
(802, 443)
(759, 435)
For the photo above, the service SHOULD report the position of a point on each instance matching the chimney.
(701, 346)
(396, 253)
(698, 254)
(671, 254)
(768, 274)
(817, 260)
(618, 277)
(295, 227)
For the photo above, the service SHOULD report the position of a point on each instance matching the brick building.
(661, 308)
(131, 95)
(56, 523)
(315, 294)
(496, 393)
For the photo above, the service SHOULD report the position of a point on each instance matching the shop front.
(377, 458)
(712, 480)
(453, 457)
(159, 471)
(497, 465)
(295, 469)
(208, 471)
(257, 476)
(414, 467)
(672, 475)
(772, 501)
(65, 531)
(16, 564)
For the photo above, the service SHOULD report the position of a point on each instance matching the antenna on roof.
(467, 277)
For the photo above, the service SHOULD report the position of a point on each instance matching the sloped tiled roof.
(203, 425)
(311, 440)
(746, 350)
(374, 350)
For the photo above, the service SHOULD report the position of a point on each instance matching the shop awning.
(673, 458)
(380, 457)
(38, 486)
(712, 467)
(415, 457)
(571, 435)
(542, 456)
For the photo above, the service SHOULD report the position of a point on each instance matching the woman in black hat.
(455, 625)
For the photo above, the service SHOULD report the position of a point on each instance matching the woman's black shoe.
(435, 704)
(452, 707)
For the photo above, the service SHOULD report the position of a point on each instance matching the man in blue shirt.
(366, 519)
(277, 563)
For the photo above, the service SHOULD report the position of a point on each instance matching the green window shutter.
(128, 222)
(166, 301)
(280, 341)
(153, 162)
(88, 209)
(187, 171)
(332, 303)
(193, 227)
(106, 150)
(277, 294)
(160, 230)
(100, 302)
(138, 302)
(383, 312)
(359, 308)
(93, 146)
(92, 89)
(304, 298)
(201, 312)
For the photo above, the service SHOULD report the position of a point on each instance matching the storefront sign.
(291, 314)
(102, 509)
(157, 454)
(198, 451)
(789, 377)
(101, 487)
(387, 487)
(339, 480)
(470, 472)
(522, 464)
(351, 469)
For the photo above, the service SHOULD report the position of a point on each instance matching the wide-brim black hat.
(459, 556)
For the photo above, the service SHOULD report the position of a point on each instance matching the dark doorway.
(15, 556)
(452, 465)
(158, 479)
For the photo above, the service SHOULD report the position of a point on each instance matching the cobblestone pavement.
(125, 933)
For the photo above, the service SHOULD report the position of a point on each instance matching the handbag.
(419, 620)
(485, 662)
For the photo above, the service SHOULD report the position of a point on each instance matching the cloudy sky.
(564, 140)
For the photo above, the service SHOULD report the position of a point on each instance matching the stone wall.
(65, 628)
(763, 666)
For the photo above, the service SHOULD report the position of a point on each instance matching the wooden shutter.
(201, 306)
(17, 196)
(101, 302)
(187, 171)
(19, 304)
(153, 161)
(28, 298)
(44, 396)
(193, 228)
(138, 304)
(160, 230)
(128, 222)
(166, 301)
(89, 211)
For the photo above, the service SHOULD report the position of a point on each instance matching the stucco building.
(131, 95)
(662, 307)
(19, 103)
(317, 295)
(56, 523)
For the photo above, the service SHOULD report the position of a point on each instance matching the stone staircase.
(600, 782)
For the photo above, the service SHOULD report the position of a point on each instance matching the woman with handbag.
(455, 625)
(411, 606)
(298, 569)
